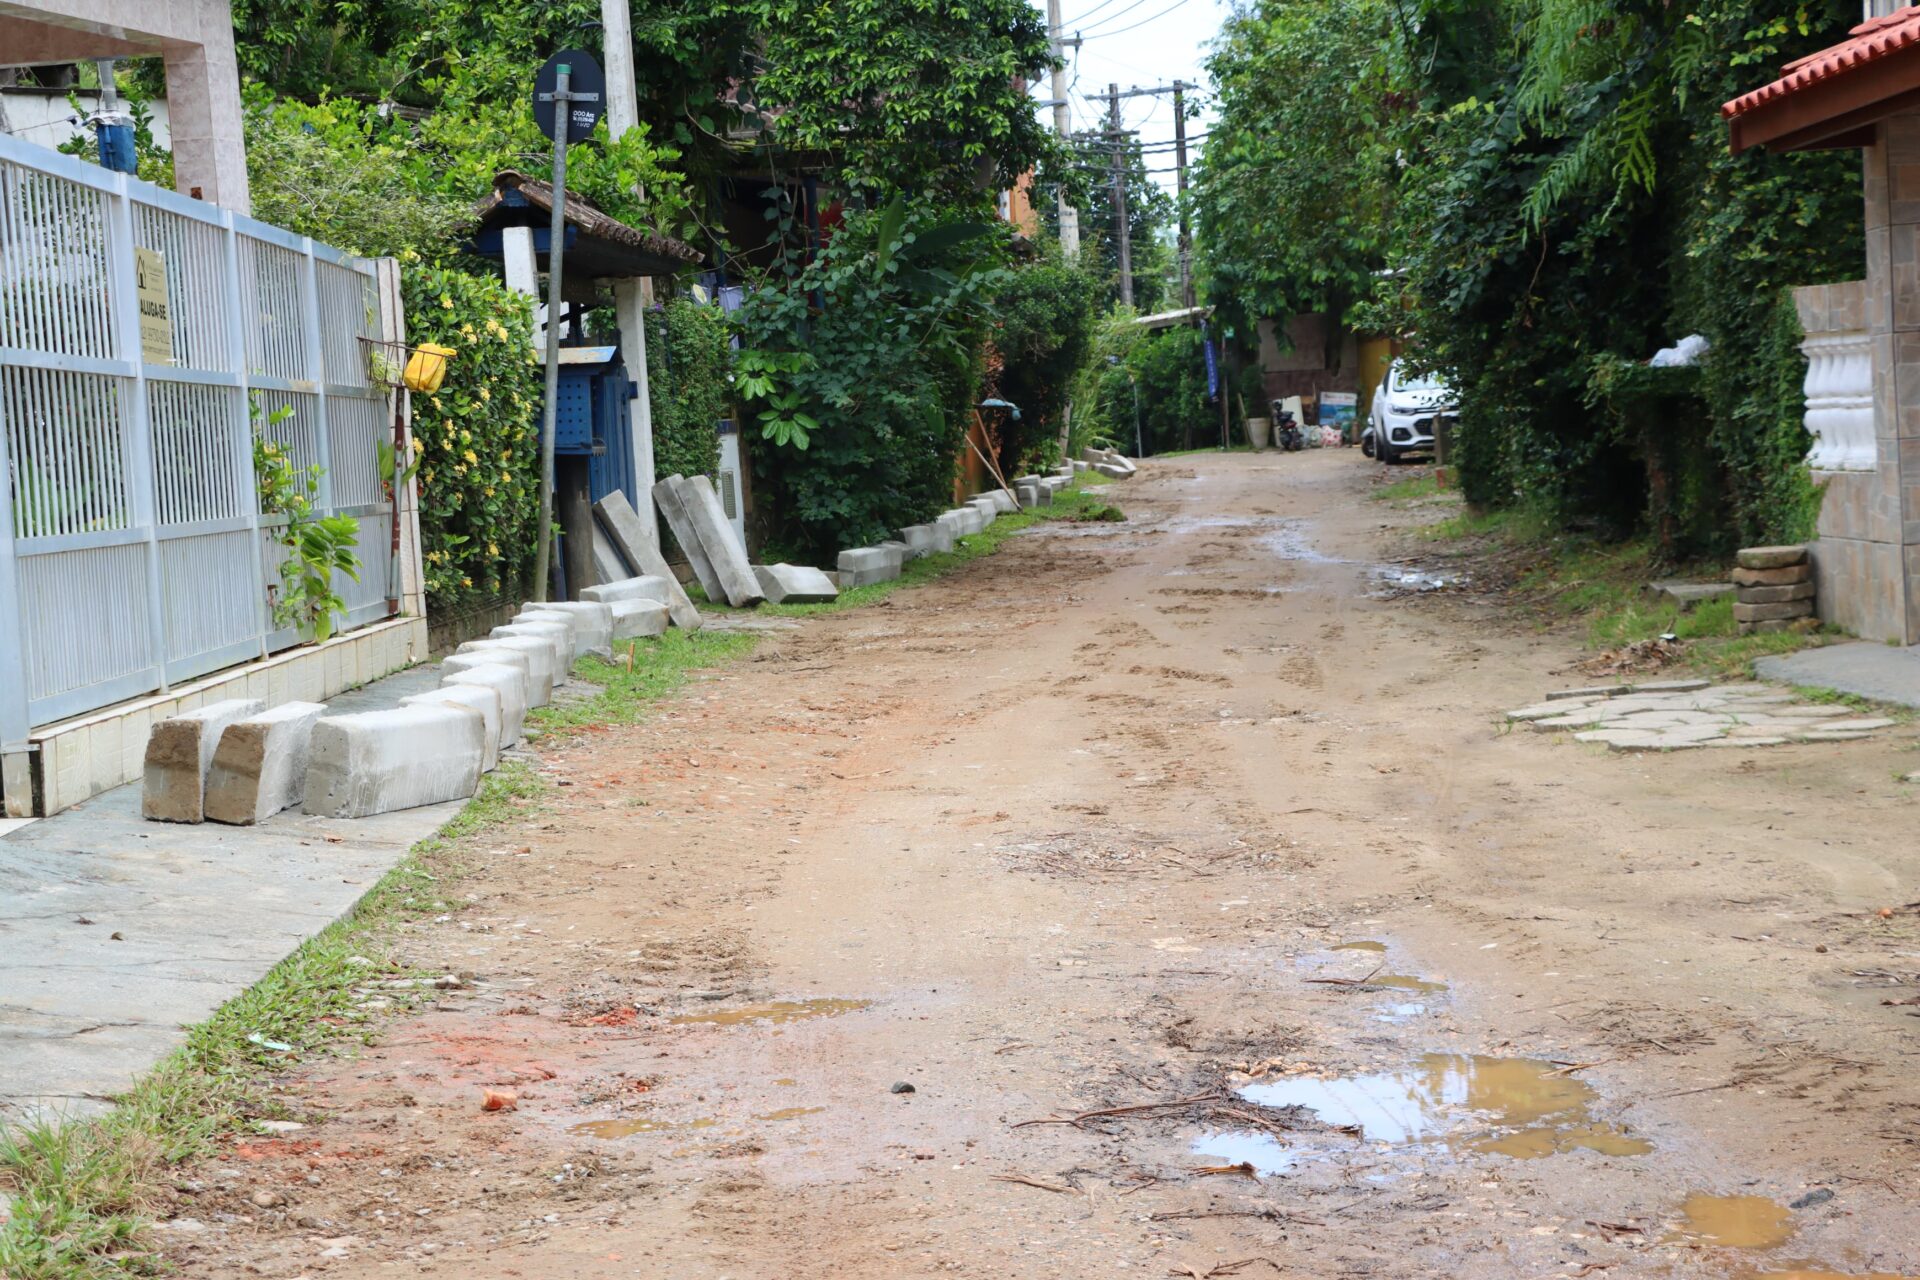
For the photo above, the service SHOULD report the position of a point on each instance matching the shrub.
(687, 375)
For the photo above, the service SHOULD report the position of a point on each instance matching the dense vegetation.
(1536, 195)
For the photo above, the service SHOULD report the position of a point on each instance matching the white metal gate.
(133, 555)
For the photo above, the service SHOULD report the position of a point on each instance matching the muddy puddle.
(1364, 944)
(1524, 1108)
(1398, 580)
(1262, 1151)
(775, 1012)
(630, 1126)
(1734, 1222)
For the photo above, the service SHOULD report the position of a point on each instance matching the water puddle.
(1263, 1151)
(1406, 982)
(1519, 1107)
(1734, 1222)
(638, 1124)
(790, 1113)
(1398, 1013)
(1289, 542)
(1364, 945)
(1397, 580)
(777, 1012)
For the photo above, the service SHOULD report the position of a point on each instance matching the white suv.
(1405, 407)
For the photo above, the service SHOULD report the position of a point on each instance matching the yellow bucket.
(426, 368)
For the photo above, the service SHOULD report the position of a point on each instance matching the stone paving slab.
(201, 913)
(1885, 673)
(1676, 715)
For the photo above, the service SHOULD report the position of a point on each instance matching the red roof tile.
(1872, 40)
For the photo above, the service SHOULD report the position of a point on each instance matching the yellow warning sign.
(156, 317)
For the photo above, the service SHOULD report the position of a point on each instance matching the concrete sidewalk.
(117, 933)
(1885, 673)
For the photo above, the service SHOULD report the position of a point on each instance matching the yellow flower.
(485, 394)
(492, 550)
(505, 478)
(470, 457)
(446, 300)
(489, 491)
(466, 582)
(459, 470)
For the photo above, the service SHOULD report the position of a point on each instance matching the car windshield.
(1404, 381)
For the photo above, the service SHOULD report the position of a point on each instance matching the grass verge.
(78, 1193)
(1599, 587)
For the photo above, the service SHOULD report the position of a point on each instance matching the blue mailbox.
(592, 416)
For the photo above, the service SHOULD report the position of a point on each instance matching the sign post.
(569, 78)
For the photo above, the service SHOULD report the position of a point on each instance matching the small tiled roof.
(1867, 43)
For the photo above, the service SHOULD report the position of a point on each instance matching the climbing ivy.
(687, 373)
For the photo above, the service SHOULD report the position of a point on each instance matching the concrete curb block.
(795, 584)
(670, 495)
(641, 545)
(179, 753)
(592, 622)
(646, 587)
(928, 539)
(536, 655)
(482, 700)
(559, 638)
(862, 566)
(507, 681)
(260, 766)
(639, 619)
(378, 761)
(724, 549)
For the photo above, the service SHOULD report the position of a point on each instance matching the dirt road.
(1081, 828)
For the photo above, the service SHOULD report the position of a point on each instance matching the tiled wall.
(89, 754)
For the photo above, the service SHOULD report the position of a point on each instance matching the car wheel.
(1384, 451)
(1366, 444)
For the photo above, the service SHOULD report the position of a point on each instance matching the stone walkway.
(116, 933)
(1885, 673)
(1673, 715)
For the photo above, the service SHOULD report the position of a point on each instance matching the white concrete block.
(556, 634)
(179, 753)
(670, 496)
(535, 652)
(378, 761)
(795, 584)
(647, 587)
(482, 700)
(260, 766)
(725, 552)
(639, 541)
(927, 539)
(638, 619)
(509, 684)
(860, 566)
(592, 623)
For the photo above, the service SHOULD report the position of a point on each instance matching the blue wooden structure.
(591, 419)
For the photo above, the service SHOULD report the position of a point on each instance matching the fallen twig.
(1348, 982)
(1025, 1181)
(1078, 1121)
(1220, 1269)
(1271, 1215)
(1567, 1069)
(1242, 1170)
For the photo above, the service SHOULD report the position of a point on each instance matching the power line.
(1088, 14)
(1110, 17)
(1136, 26)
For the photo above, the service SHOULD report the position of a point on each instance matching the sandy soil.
(1073, 830)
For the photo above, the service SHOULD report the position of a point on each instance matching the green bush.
(1043, 330)
(479, 435)
(687, 374)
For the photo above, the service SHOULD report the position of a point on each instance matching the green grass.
(82, 1190)
(1412, 489)
(1600, 588)
(1213, 448)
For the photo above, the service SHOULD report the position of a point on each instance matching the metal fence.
(133, 554)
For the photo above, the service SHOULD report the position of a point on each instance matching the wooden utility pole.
(1121, 228)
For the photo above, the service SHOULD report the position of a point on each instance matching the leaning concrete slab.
(640, 544)
(592, 622)
(1111, 470)
(795, 584)
(509, 684)
(639, 619)
(260, 766)
(556, 634)
(179, 753)
(607, 565)
(862, 566)
(724, 550)
(481, 700)
(537, 654)
(378, 761)
(670, 497)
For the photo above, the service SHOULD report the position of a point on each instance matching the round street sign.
(587, 86)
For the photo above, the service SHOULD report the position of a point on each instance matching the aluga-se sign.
(156, 315)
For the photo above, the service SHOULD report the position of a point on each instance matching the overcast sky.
(1143, 43)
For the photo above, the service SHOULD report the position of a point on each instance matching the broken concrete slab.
(795, 584)
(1112, 471)
(592, 622)
(534, 651)
(378, 761)
(862, 566)
(1785, 610)
(260, 766)
(639, 542)
(482, 700)
(1787, 577)
(927, 539)
(509, 684)
(1776, 595)
(725, 551)
(671, 497)
(179, 753)
(639, 619)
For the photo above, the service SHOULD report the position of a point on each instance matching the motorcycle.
(1286, 432)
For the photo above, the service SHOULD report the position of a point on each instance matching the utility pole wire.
(1136, 26)
(1124, 232)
